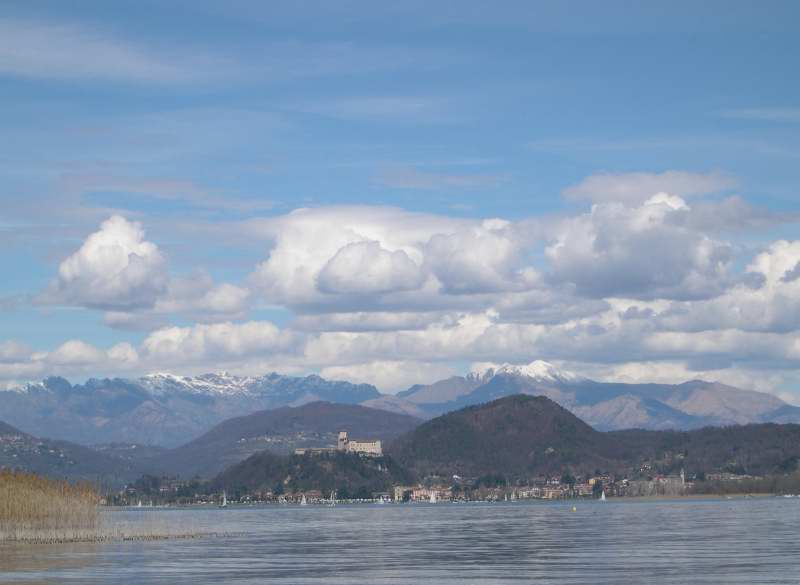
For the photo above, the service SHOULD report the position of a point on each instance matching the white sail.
(224, 499)
(603, 496)
(433, 497)
(303, 501)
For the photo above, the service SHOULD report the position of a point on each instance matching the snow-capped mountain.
(222, 384)
(168, 409)
(538, 370)
(606, 406)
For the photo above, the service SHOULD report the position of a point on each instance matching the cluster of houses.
(546, 488)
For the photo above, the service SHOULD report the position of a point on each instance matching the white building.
(371, 448)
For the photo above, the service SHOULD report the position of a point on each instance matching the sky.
(397, 193)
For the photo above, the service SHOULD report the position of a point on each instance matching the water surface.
(754, 541)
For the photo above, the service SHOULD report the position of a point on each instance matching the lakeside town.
(151, 490)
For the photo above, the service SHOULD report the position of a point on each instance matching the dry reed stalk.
(34, 507)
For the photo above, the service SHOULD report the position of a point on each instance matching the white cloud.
(640, 251)
(479, 259)
(366, 267)
(390, 376)
(115, 268)
(634, 188)
(219, 342)
(79, 353)
(306, 241)
(118, 271)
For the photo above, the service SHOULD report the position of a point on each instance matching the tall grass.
(36, 508)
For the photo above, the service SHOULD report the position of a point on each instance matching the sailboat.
(333, 498)
(433, 498)
(603, 496)
(224, 503)
(303, 501)
(139, 505)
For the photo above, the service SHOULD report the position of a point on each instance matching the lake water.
(755, 541)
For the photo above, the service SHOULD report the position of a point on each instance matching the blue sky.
(208, 124)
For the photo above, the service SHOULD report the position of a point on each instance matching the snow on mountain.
(222, 384)
(538, 370)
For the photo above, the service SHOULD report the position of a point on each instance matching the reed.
(34, 508)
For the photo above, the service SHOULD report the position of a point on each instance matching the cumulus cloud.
(479, 259)
(634, 188)
(367, 268)
(638, 251)
(115, 268)
(766, 300)
(309, 241)
(403, 261)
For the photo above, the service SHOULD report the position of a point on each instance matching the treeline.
(774, 484)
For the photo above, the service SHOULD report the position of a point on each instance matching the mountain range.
(604, 405)
(160, 409)
(169, 410)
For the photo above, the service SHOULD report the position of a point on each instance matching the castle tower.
(341, 445)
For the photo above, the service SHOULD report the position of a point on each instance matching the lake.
(754, 541)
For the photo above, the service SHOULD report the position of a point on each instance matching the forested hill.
(350, 475)
(524, 436)
(280, 431)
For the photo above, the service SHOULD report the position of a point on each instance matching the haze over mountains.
(170, 410)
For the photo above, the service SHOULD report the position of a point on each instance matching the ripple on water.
(620, 542)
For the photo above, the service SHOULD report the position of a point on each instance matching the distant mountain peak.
(538, 370)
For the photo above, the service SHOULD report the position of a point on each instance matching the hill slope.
(280, 431)
(524, 436)
(517, 436)
(61, 459)
(348, 474)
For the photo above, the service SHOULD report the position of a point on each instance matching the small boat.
(603, 496)
(433, 498)
(333, 498)
(139, 505)
(224, 503)
(303, 501)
